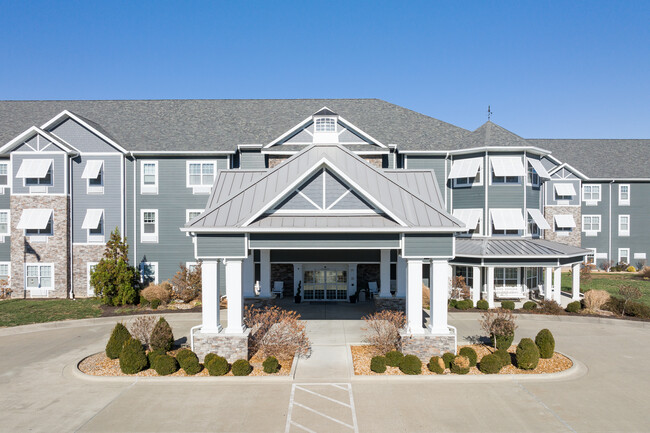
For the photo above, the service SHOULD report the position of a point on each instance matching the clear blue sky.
(573, 69)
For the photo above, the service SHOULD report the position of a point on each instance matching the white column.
(557, 285)
(210, 297)
(414, 296)
(384, 274)
(401, 277)
(575, 286)
(476, 284)
(490, 286)
(248, 276)
(297, 278)
(439, 278)
(265, 273)
(548, 284)
(234, 294)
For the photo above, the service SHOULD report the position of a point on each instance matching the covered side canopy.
(507, 166)
(34, 168)
(34, 219)
(564, 221)
(539, 219)
(469, 216)
(539, 168)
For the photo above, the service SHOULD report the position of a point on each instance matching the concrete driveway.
(38, 391)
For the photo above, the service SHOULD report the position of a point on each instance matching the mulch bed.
(361, 356)
(100, 365)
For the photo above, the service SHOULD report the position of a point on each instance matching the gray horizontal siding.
(221, 245)
(428, 245)
(550, 191)
(324, 240)
(601, 240)
(436, 163)
(252, 160)
(533, 195)
(505, 196)
(81, 138)
(469, 198)
(638, 210)
(58, 172)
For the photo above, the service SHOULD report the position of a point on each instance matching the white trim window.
(200, 176)
(624, 194)
(39, 278)
(191, 266)
(5, 220)
(39, 181)
(466, 182)
(624, 255)
(4, 175)
(532, 278)
(5, 272)
(590, 258)
(93, 223)
(47, 231)
(90, 268)
(624, 225)
(325, 124)
(591, 194)
(149, 177)
(507, 170)
(532, 178)
(533, 228)
(149, 225)
(191, 214)
(149, 273)
(94, 175)
(506, 277)
(591, 224)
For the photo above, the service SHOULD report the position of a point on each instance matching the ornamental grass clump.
(490, 364)
(116, 341)
(241, 367)
(165, 365)
(162, 336)
(460, 365)
(378, 364)
(383, 329)
(595, 299)
(271, 365)
(411, 365)
(470, 354)
(448, 358)
(216, 365)
(393, 358)
(132, 357)
(188, 361)
(545, 343)
(527, 354)
(436, 365)
(504, 356)
(500, 326)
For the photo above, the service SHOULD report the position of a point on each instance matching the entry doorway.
(325, 283)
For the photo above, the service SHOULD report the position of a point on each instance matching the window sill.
(197, 190)
(149, 240)
(624, 235)
(95, 190)
(591, 233)
(591, 203)
(38, 239)
(147, 189)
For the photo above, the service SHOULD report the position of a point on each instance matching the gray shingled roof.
(521, 247)
(491, 134)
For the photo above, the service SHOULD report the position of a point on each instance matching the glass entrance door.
(325, 284)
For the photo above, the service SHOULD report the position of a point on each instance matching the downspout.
(609, 223)
(450, 208)
(135, 210)
(70, 230)
(525, 182)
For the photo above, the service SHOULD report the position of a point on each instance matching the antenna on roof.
(489, 113)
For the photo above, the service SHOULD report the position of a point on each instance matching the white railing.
(192, 335)
(455, 331)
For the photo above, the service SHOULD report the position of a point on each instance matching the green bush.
(132, 357)
(216, 365)
(378, 364)
(470, 354)
(155, 303)
(436, 365)
(631, 269)
(448, 359)
(482, 304)
(453, 303)
(545, 343)
(151, 356)
(573, 307)
(165, 364)
(504, 357)
(410, 364)
(463, 305)
(470, 303)
(530, 305)
(393, 358)
(460, 365)
(162, 336)
(188, 361)
(527, 354)
(490, 364)
(271, 365)
(118, 337)
(508, 305)
(241, 367)
(143, 301)
(503, 341)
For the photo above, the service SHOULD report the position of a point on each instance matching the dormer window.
(325, 124)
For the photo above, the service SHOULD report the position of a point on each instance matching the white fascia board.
(35, 130)
(180, 152)
(289, 132)
(531, 149)
(363, 133)
(250, 146)
(554, 256)
(319, 230)
(570, 168)
(69, 115)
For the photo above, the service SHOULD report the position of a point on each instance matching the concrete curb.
(574, 319)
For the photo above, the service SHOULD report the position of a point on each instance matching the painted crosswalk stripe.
(305, 425)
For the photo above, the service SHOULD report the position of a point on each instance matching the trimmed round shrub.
(271, 365)
(216, 365)
(503, 341)
(470, 354)
(527, 354)
(573, 307)
(448, 358)
(411, 364)
(155, 303)
(482, 304)
(460, 365)
(132, 357)
(530, 305)
(508, 305)
(188, 361)
(165, 364)
(393, 358)
(470, 303)
(151, 356)
(436, 365)
(545, 343)
(453, 303)
(241, 367)
(631, 269)
(490, 364)
(463, 305)
(504, 357)
(378, 364)
(119, 336)
(162, 336)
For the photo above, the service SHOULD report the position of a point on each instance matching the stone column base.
(426, 345)
(390, 303)
(230, 346)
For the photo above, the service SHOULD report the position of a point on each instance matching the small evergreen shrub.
(271, 365)
(151, 356)
(490, 364)
(504, 357)
(453, 303)
(460, 365)
(393, 358)
(527, 354)
(115, 343)
(165, 364)
(573, 307)
(216, 365)
(448, 358)
(143, 301)
(503, 341)
(463, 305)
(188, 361)
(482, 304)
(241, 367)
(132, 357)
(411, 364)
(530, 305)
(470, 303)
(545, 343)
(155, 303)
(436, 365)
(378, 364)
(470, 354)
(508, 305)
(162, 336)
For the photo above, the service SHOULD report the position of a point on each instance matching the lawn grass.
(611, 282)
(15, 312)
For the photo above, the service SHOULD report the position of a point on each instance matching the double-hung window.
(591, 194)
(149, 225)
(624, 255)
(624, 225)
(624, 195)
(533, 177)
(40, 181)
(149, 272)
(591, 224)
(191, 214)
(200, 175)
(47, 231)
(4, 223)
(467, 272)
(94, 175)
(149, 177)
(506, 277)
(4, 174)
(38, 278)
(5, 273)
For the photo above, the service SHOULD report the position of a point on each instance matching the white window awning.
(469, 216)
(564, 221)
(34, 219)
(564, 189)
(92, 219)
(34, 168)
(539, 168)
(464, 168)
(537, 216)
(92, 169)
(507, 166)
(507, 219)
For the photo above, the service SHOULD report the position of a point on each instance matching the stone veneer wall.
(276, 160)
(81, 255)
(55, 250)
(574, 236)
(367, 272)
(283, 272)
(426, 345)
(374, 160)
(230, 346)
